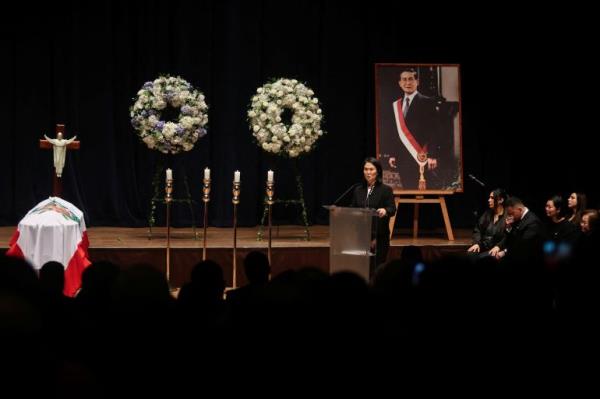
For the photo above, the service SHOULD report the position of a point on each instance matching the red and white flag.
(54, 230)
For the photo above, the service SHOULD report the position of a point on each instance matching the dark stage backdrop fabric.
(82, 63)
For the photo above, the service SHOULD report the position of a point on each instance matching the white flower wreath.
(152, 100)
(270, 130)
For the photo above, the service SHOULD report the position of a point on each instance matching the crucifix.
(59, 147)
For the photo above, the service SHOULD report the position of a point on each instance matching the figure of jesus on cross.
(59, 147)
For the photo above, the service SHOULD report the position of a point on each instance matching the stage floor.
(128, 246)
(283, 236)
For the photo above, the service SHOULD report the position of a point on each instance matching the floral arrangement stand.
(286, 202)
(169, 115)
(285, 120)
(158, 183)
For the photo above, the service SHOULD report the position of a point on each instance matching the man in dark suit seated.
(524, 233)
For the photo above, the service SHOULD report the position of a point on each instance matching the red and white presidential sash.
(414, 148)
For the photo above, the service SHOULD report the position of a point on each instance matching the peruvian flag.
(54, 230)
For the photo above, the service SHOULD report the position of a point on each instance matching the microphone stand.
(346, 192)
(482, 186)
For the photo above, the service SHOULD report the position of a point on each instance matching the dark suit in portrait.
(422, 120)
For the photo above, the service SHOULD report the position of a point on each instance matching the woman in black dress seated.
(589, 221)
(489, 230)
(577, 203)
(559, 228)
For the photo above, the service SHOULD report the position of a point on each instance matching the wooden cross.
(46, 145)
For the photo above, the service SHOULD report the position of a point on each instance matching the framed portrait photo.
(418, 125)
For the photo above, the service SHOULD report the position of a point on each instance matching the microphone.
(476, 180)
(369, 193)
(345, 193)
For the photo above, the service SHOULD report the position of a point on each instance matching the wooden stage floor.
(128, 246)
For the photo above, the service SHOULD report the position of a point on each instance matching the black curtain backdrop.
(528, 99)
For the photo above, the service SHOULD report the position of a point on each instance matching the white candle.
(169, 174)
(270, 176)
(236, 176)
(206, 173)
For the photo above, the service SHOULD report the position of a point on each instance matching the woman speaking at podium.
(372, 193)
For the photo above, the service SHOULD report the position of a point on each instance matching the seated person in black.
(589, 221)
(559, 228)
(576, 204)
(489, 230)
(525, 234)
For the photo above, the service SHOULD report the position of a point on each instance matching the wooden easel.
(419, 197)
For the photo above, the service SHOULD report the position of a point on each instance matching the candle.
(236, 176)
(270, 176)
(169, 174)
(206, 173)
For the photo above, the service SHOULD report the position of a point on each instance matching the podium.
(351, 234)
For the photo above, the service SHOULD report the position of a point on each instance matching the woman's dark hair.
(558, 202)
(593, 218)
(377, 165)
(581, 206)
(499, 193)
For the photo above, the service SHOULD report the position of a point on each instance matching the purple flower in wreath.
(201, 132)
(146, 114)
